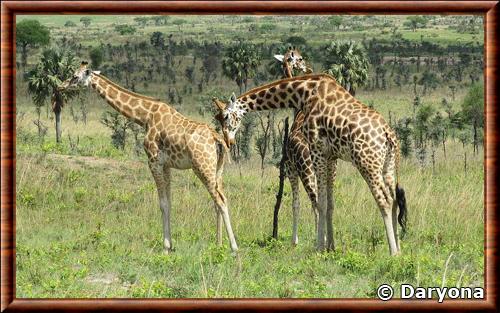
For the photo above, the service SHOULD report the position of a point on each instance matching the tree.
(160, 20)
(296, 41)
(43, 82)
(262, 142)
(240, 63)
(421, 131)
(96, 57)
(335, 21)
(179, 23)
(347, 62)
(157, 40)
(119, 126)
(125, 29)
(141, 21)
(429, 80)
(404, 133)
(473, 111)
(86, 21)
(69, 24)
(30, 34)
(414, 22)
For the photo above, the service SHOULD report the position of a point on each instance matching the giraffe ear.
(279, 57)
(233, 98)
(97, 72)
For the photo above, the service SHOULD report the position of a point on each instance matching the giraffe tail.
(400, 192)
(403, 210)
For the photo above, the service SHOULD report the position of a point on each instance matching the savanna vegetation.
(87, 217)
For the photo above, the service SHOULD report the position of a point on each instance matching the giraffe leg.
(331, 174)
(218, 212)
(389, 180)
(294, 181)
(384, 200)
(161, 175)
(308, 178)
(219, 225)
(322, 212)
(208, 178)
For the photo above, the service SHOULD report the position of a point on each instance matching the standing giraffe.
(171, 141)
(298, 162)
(336, 126)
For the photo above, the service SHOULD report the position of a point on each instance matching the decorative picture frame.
(9, 302)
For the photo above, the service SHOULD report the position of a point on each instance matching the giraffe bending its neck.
(298, 162)
(171, 141)
(336, 126)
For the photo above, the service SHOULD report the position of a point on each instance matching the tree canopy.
(31, 34)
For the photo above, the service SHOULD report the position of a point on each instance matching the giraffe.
(336, 126)
(298, 162)
(171, 141)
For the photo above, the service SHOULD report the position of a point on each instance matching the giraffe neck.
(287, 70)
(133, 106)
(285, 93)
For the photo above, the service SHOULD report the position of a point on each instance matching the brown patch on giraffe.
(124, 97)
(112, 93)
(311, 85)
(134, 102)
(364, 121)
(283, 85)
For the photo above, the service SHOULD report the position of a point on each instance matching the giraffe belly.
(179, 161)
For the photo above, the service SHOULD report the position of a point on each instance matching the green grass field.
(88, 222)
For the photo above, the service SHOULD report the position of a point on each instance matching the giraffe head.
(294, 58)
(230, 116)
(80, 77)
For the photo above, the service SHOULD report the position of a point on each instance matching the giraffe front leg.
(322, 214)
(162, 180)
(294, 181)
(219, 225)
(331, 174)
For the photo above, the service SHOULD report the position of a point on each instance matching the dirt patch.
(102, 279)
(93, 162)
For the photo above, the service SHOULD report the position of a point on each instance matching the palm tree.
(240, 63)
(347, 62)
(43, 81)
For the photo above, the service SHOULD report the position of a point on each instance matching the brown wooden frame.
(489, 9)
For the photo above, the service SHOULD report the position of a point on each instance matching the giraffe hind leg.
(382, 196)
(209, 180)
(294, 182)
(390, 183)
